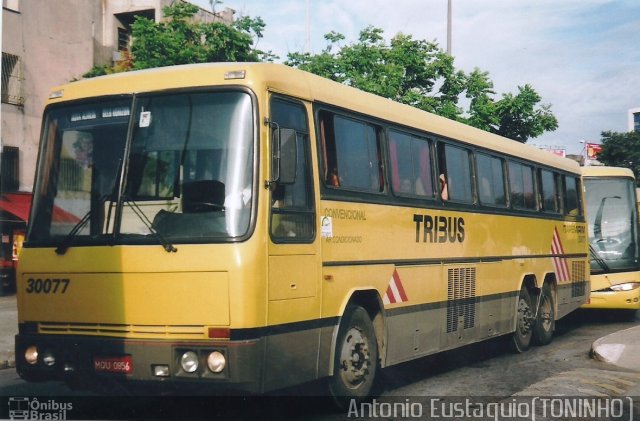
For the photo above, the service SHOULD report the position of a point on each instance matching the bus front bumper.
(615, 300)
(85, 360)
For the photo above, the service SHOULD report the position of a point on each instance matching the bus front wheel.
(356, 358)
(521, 339)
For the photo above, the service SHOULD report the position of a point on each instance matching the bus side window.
(572, 196)
(455, 174)
(521, 187)
(549, 194)
(491, 189)
(352, 156)
(410, 158)
(292, 207)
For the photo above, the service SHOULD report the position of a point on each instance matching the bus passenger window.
(549, 191)
(410, 158)
(521, 186)
(456, 177)
(351, 154)
(571, 196)
(491, 190)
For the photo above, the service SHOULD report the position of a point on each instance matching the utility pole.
(449, 25)
(307, 46)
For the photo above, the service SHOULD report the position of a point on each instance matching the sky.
(581, 56)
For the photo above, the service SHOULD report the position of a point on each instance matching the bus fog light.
(189, 362)
(216, 362)
(48, 358)
(161, 370)
(31, 355)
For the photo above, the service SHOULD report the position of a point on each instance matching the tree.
(179, 39)
(621, 150)
(419, 73)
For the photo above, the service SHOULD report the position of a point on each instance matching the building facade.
(634, 120)
(47, 43)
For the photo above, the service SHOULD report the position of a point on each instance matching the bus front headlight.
(48, 358)
(189, 362)
(31, 355)
(627, 286)
(216, 362)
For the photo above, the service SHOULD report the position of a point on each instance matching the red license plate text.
(121, 365)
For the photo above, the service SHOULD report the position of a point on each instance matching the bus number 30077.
(47, 286)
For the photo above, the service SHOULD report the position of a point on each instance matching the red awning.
(17, 204)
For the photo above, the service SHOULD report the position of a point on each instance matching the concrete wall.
(54, 40)
(59, 41)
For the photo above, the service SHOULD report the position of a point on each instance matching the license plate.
(120, 365)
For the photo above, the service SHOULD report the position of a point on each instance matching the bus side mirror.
(285, 156)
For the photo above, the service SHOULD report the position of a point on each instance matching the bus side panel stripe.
(560, 264)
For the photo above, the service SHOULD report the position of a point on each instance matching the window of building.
(123, 39)
(521, 186)
(12, 78)
(13, 5)
(636, 122)
(491, 190)
(10, 170)
(410, 165)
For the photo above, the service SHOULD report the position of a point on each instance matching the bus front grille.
(124, 330)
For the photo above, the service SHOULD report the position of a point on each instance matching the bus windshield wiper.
(166, 244)
(598, 259)
(66, 242)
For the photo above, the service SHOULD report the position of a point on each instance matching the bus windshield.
(613, 218)
(178, 167)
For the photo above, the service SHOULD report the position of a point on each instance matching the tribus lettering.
(439, 229)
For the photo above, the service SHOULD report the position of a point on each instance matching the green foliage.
(419, 73)
(97, 71)
(518, 117)
(621, 150)
(179, 39)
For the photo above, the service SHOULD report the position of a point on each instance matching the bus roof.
(287, 80)
(606, 172)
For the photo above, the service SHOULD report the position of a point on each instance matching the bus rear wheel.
(521, 339)
(356, 358)
(546, 321)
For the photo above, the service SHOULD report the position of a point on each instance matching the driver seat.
(202, 195)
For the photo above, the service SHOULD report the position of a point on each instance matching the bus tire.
(356, 358)
(545, 323)
(521, 339)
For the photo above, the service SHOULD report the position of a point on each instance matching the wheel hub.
(525, 317)
(355, 357)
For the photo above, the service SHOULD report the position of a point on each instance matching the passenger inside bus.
(444, 191)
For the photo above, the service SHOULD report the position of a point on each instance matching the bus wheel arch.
(357, 349)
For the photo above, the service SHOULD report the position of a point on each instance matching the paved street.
(563, 368)
(8, 329)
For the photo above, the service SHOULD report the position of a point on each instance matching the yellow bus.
(614, 245)
(253, 226)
